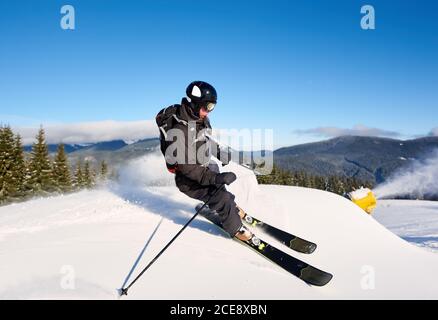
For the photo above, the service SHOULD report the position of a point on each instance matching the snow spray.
(148, 170)
(417, 180)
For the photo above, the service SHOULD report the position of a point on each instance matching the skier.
(188, 156)
(184, 130)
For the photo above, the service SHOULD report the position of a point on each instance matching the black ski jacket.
(194, 172)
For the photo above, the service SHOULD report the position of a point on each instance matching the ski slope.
(83, 245)
(415, 221)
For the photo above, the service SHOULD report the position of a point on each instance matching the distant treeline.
(335, 184)
(38, 174)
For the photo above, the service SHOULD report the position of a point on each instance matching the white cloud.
(357, 130)
(91, 132)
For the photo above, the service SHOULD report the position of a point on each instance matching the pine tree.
(317, 182)
(276, 175)
(9, 186)
(301, 179)
(341, 186)
(103, 170)
(308, 183)
(266, 178)
(285, 177)
(297, 179)
(78, 181)
(335, 184)
(4, 164)
(330, 187)
(355, 183)
(89, 181)
(40, 167)
(61, 172)
(20, 169)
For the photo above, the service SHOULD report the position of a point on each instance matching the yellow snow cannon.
(364, 198)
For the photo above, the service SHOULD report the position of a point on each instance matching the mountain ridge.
(367, 158)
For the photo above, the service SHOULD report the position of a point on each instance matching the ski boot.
(244, 234)
(241, 213)
(246, 218)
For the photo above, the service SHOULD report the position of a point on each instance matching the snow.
(359, 193)
(130, 141)
(417, 179)
(415, 221)
(83, 245)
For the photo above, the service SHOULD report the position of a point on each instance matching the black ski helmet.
(202, 94)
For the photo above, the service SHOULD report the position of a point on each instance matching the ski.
(286, 238)
(291, 241)
(296, 267)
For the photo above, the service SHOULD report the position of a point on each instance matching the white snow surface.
(83, 245)
(413, 220)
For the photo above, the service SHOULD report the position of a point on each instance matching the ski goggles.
(210, 106)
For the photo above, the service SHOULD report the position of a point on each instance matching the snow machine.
(364, 198)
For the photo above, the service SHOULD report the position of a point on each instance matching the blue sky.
(304, 68)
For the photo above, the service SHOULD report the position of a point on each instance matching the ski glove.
(225, 178)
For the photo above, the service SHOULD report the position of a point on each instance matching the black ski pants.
(222, 201)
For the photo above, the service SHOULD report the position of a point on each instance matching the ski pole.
(124, 291)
